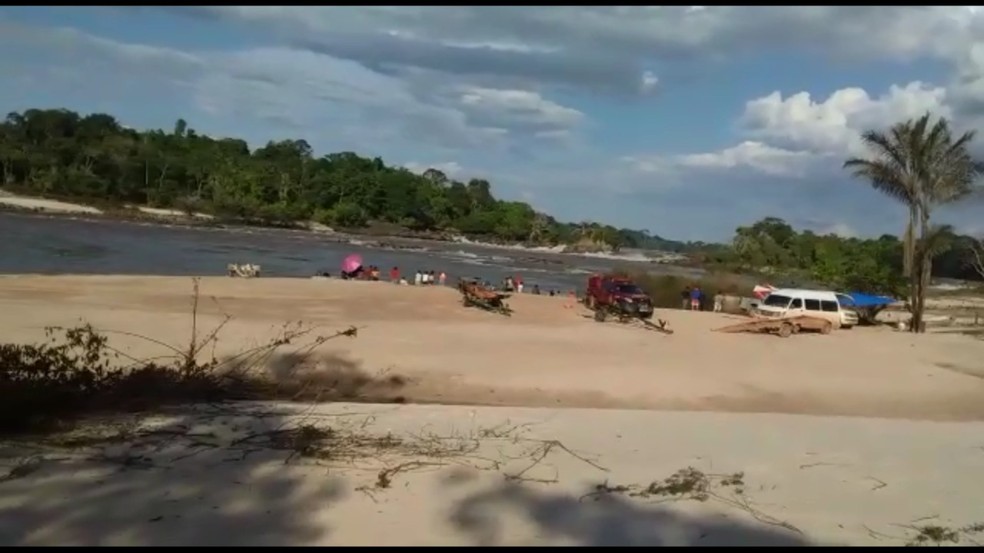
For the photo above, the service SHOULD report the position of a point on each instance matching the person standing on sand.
(718, 302)
(442, 278)
(519, 283)
(395, 275)
(685, 298)
(418, 278)
(695, 298)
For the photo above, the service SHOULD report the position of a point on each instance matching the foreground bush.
(77, 373)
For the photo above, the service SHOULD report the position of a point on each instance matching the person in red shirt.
(395, 275)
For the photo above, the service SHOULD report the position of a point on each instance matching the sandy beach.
(545, 355)
(806, 480)
(45, 205)
(826, 441)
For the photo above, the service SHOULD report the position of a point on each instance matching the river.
(39, 244)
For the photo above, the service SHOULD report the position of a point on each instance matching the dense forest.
(773, 247)
(59, 153)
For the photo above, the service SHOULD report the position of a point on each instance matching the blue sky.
(685, 121)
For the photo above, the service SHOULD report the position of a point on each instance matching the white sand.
(41, 204)
(160, 212)
(544, 355)
(837, 480)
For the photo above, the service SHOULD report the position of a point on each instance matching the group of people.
(693, 298)
(420, 278)
(427, 278)
(513, 284)
(361, 273)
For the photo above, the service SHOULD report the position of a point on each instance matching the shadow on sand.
(169, 485)
(220, 476)
(605, 521)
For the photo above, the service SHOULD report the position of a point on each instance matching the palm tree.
(892, 172)
(922, 167)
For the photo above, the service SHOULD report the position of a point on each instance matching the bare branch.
(976, 255)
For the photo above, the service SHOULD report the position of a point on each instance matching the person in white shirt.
(418, 278)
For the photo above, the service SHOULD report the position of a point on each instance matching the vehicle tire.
(785, 330)
(826, 328)
(599, 315)
(647, 317)
(847, 327)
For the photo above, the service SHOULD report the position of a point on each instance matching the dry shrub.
(76, 372)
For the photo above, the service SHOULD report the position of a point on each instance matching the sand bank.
(51, 206)
(834, 480)
(545, 355)
(170, 213)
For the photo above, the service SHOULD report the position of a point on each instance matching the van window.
(776, 300)
(813, 305)
(831, 306)
(797, 304)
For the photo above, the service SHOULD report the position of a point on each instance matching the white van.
(789, 302)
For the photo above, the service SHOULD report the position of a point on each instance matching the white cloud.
(840, 229)
(749, 155)
(299, 90)
(834, 125)
(756, 155)
(523, 106)
(649, 82)
(607, 47)
(484, 85)
(452, 169)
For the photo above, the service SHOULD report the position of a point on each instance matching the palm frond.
(884, 177)
(937, 241)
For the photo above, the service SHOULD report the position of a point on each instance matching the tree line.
(918, 162)
(60, 153)
(773, 248)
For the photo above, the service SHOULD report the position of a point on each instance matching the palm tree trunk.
(909, 259)
(909, 241)
(922, 269)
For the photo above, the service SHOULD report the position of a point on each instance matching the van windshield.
(776, 300)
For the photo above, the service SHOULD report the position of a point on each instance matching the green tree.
(923, 166)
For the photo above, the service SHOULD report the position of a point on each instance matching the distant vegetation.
(922, 166)
(59, 153)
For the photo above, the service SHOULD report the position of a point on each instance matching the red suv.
(619, 296)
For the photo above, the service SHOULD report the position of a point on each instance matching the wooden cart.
(783, 327)
(474, 294)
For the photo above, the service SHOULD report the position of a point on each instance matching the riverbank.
(445, 353)
(376, 235)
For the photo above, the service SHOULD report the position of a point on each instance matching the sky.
(686, 121)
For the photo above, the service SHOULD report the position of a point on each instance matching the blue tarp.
(862, 300)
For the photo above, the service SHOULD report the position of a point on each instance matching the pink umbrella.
(761, 291)
(351, 263)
